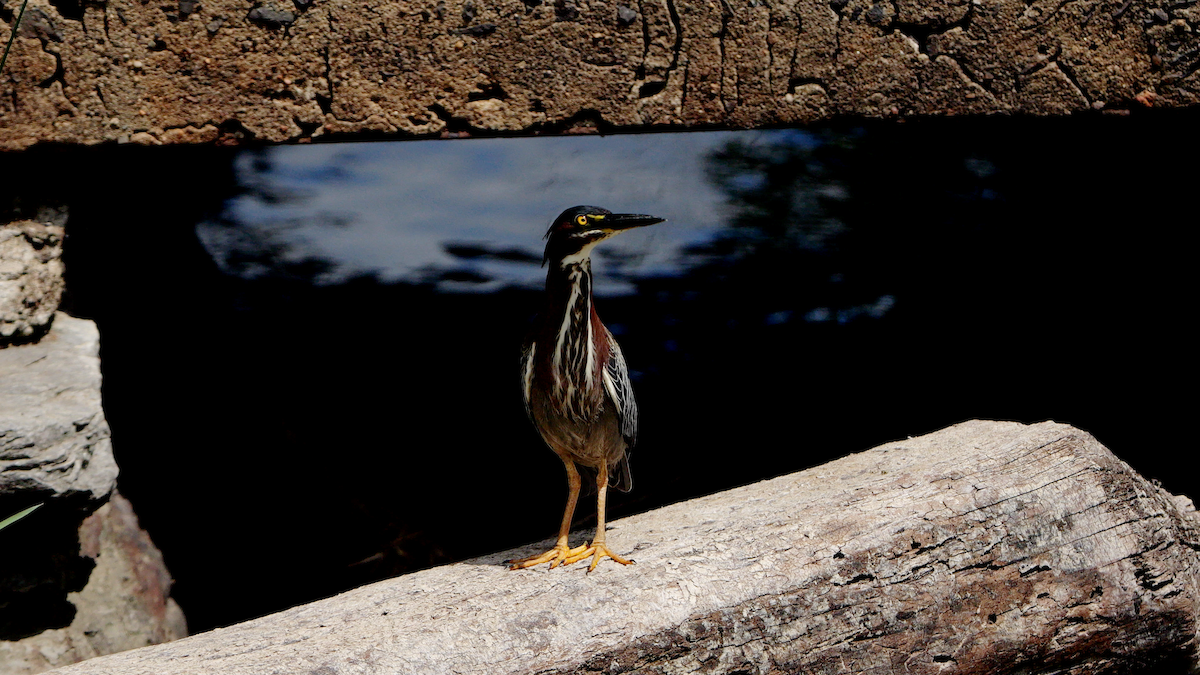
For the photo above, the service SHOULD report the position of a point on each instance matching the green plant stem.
(17, 516)
(12, 36)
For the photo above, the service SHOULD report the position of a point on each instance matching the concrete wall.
(201, 71)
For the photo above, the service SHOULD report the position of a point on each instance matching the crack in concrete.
(985, 85)
(1053, 60)
(770, 52)
(721, 48)
(651, 88)
(895, 13)
(100, 95)
(640, 73)
(1069, 72)
(59, 74)
(1194, 52)
(837, 32)
(327, 106)
(922, 34)
(684, 88)
(678, 25)
(795, 50)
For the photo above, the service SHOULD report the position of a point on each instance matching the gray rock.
(271, 17)
(31, 277)
(37, 24)
(69, 591)
(124, 605)
(54, 439)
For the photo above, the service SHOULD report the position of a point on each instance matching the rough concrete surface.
(54, 440)
(988, 547)
(188, 71)
(125, 604)
(31, 277)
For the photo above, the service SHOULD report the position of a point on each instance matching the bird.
(574, 379)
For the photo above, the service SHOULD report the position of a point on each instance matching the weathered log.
(988, 547)
(189, 72)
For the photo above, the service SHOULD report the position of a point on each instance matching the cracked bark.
(987, 547)
(376, 67)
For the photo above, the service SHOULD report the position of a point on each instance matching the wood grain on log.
(988, 547)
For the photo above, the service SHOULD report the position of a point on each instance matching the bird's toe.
(596, 552)
(559, 555)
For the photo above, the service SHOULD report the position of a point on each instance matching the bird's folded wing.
(620, 390)
(528, 350)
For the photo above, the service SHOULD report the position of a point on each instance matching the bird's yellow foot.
(596, 551)
(555, 556)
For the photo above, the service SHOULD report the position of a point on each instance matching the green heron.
(576, 386)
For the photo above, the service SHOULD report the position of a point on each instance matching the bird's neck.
(571, 327)
(569, 302)
(566, 280)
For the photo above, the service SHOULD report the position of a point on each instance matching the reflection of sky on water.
(391, 209)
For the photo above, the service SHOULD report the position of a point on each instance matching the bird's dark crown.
(579, 227)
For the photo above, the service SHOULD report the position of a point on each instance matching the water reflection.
(788, 197)
(462, 217)
(404, 212)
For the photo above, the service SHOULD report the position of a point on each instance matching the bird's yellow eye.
(582, 220)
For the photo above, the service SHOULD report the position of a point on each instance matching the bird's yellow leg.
(558, 555)
(598, 549)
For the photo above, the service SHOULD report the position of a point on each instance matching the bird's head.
(578, 229)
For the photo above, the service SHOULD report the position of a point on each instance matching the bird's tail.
(618, 477)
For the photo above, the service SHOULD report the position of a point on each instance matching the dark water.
(310, 359)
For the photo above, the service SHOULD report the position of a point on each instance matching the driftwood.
(988, 547)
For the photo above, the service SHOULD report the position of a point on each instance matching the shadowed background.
(310, 352)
